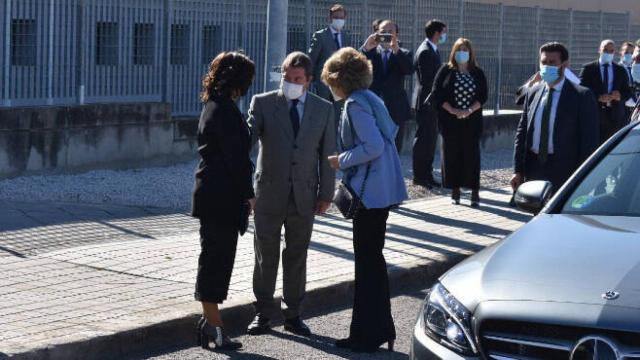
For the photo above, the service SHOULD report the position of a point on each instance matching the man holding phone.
(391, 64)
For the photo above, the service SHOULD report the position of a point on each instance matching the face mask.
(627, 59)
(462, 57)
(443, 38)
(291, 91)
(635, 72)
(337, 24)
(335, 97)
(606, 58)
(549, 74)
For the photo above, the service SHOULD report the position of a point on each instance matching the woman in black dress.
(223, 194)
(459, 91)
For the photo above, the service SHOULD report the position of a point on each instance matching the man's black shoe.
(259, 325)
(296, 326)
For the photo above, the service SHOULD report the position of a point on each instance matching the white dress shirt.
(333, 35)
(610, 85)
(300, 106)
(537, 120)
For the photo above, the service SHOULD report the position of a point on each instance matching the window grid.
(143, 44)
(23, 42)
(179, 44)
(210, 42)
(107, 43)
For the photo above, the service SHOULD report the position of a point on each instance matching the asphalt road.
(327, 325)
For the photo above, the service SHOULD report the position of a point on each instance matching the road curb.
(180, 331)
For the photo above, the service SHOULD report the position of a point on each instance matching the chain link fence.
(100, 51)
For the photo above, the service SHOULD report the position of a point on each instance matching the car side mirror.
(532, 196)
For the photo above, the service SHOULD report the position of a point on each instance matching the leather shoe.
(260, 325)
(296, 326)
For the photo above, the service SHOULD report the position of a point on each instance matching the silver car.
(564, 286)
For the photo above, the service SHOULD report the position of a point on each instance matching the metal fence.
(101, 51)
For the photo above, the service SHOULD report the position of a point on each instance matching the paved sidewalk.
(76, 273)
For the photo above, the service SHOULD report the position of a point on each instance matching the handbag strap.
(366, 175)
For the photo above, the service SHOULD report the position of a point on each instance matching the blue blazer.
(385, 186)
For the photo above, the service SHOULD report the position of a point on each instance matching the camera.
(384, 38)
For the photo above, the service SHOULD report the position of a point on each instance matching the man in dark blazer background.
(609, 82)
(559, 126)
(391, 64)
(324, 43)
(426, 62)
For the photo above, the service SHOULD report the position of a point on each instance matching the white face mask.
(335, 97)
(290, 90)
(337, 24)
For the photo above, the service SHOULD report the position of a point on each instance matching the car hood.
(555, 258)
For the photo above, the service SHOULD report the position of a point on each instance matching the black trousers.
(461, 155)
(424, 144)
(218, 242)
(552, 170)
(371, 323)
(400, 136)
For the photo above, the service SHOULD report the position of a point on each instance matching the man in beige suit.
(294, 181)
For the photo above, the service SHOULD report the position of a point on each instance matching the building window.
(143, 44)
(179, 44)
(23, 42)
(107, 43)
(210, 42)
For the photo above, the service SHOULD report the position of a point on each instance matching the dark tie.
(543, 151)
(335, 37)
(605, 78)
(385, 61)
(294, 116)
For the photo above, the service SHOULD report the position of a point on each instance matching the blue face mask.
(549, 73)
(627, 59)
(635, 72)
(606, 58)
(462, 57)
(443, 38)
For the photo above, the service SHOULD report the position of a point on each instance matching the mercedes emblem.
(594, 348)
(611, 295)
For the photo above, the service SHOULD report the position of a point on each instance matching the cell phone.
(384, 38)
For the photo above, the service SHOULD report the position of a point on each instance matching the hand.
(605, 98)
(371, 42)
(252, 205)
(322, 206)
(395, 46)
(516, 181)
(615, 95)
(536, 78)
(333, 161)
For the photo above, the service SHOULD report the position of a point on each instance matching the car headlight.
(447, 321)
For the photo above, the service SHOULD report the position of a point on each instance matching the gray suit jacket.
(285, 161)
(323, 45)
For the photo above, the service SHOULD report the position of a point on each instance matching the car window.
(613, 186)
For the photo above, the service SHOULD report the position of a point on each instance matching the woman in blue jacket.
(371, 165)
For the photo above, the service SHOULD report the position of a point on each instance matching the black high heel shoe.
(455, 196)
(215, 334)
(367, 348)
(475, 198)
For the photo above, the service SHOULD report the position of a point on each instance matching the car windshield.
(613, 187)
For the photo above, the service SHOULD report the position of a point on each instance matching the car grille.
(512, 340)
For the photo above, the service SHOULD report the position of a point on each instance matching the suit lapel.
(281, 114)
(309, 107)
(534, 106)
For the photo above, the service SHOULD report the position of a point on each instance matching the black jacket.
(443, 91)
(576, 131)
(427, 62)
(389, 85)
(590, 77)
(223, 181)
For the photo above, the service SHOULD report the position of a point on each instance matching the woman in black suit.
(223, 194)
(459, 91)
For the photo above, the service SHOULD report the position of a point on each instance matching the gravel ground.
(327, 326)
(170, 187)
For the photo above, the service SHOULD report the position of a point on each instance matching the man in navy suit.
(559, 126)
(391, 64)
(610, 84)
(426, 62)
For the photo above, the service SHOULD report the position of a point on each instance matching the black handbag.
(345, 198)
